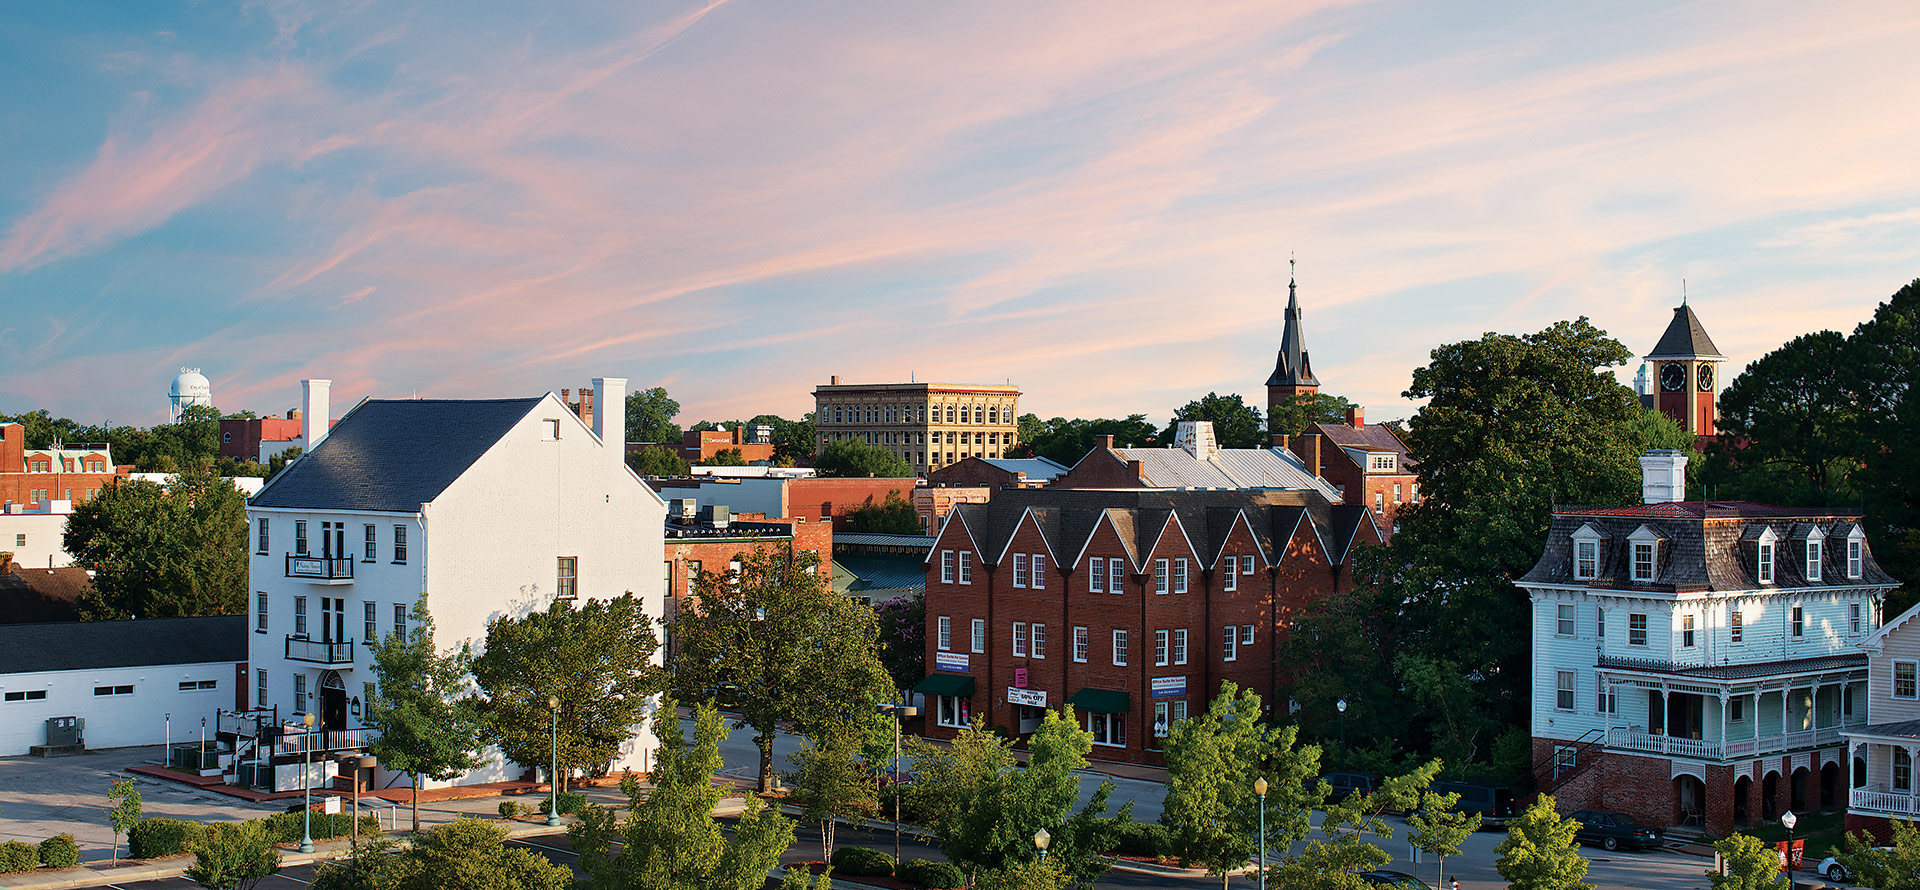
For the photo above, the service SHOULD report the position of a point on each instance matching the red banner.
(1799, 849)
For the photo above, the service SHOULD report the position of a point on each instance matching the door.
(333, 619)
(333, 702)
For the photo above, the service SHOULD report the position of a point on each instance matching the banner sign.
(950, 661)
(1033, 698)
(1020, 677)
(1169, 687)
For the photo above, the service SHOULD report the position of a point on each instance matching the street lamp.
(899, 712)
(1789, 820)
(1041, 840)
(306, 785)
(1260, 788)
(553, 781)
(1342, 706)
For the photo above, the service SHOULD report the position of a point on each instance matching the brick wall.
(973, 472)
(833, 499)
(1101, 468)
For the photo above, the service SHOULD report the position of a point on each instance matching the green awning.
(955, 685)
(1099, 701)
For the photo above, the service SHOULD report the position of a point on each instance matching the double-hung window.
(1637, 629)
(300, 536)
(1855, 558)
(1019, 570)
(299, 693)
(1600, 622)
(1116, 573)
(263, 534)
(1686, 631)
(1039, 572)
(1120, 648)
(1160, 647)
(1813, 560)
(1764, 568)
(260, 612)
(370, 548)
(945, 638)
(1080, 644)
(1799, 621)
(1039, 642)
(400, 622)
(1586, 559)
(260, 687)
(299, 616)
(369, 612)
(1230, 581)
(1643, 561)
(1853, 618)
(1180, 575)
(400, 545)
(566, 585)
(1736, 627)
(1019, 639)
(1180, 646)
(1230, 644)
(966, 567)
(1160, 575)
(1097, 575)
(1563, 622)
(946, 567)
(1246, 635)
(1246, 565)
(1906, 679)
(979, 627)
(1563, 690)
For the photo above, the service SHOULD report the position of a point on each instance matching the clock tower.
(1686, 374)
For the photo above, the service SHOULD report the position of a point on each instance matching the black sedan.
(1614, 830)
(1399, 880)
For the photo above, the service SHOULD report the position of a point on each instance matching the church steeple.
(1292, 371)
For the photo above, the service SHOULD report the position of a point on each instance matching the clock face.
(1673, 377)
(1706, 378)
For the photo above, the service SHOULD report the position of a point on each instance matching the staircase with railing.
(1567, 761)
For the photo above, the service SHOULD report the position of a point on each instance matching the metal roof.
(1227, 468)
(83, 645)
(393, 455)
(1685, 338)
(1038, 468)
(1292, 367)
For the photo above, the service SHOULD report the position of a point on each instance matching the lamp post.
(306, 785)
(1789, 820)
(1342, 705)
(1041, 840)
(1260, 788)
(200, 759)
(553, 781)
(899, 712)
(166, 757)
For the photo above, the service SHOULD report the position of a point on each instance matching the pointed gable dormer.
(1292, 370)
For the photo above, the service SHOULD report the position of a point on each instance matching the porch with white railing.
(1714, 749)
(1883, 800)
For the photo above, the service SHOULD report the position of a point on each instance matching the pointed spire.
(1292, 367)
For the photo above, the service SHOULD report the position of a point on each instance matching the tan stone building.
(929, 425)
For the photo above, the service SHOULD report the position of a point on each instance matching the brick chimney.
(1310, 452)
(1280, 440)
(6, 562)
(1106, 442)
(1134, 469)
(1356, 417)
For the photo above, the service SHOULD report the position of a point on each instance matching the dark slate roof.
(31, 595)
(393, 455)
(1820, 664)
(82, 645)
(1685, 338)
(1292, 368)
(1704, 546)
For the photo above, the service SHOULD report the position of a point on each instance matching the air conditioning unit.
(66, 731)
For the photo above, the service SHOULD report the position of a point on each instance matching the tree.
(596, 657)
(797, 651)
(1292, 416)
(279, 461)
(894, 516)
(1796, 412)
(1437, 828)
(1888, 357)
(1895, 868)
(1066, 441)
(233, 856)
(1751, 865)
(169, 551)
(465, 854)
(726, 457)
(854, 458)
(1332, 653)
(1030, 874)
(426, 719)
(1540, 853)
(903, 639)
(1212, 762)
(650, 414)
(793, 440)
(671, 840)
(1236, 424)
(654, 460)
(832, 780)
(1339, 859)
(125, 811)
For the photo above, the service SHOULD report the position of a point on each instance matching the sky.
(1093, 199)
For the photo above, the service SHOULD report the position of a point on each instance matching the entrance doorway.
(1830, 795)
(1742, 791)
(1770, 797)
(333, 702)
(1689, 800)
(1798, 795)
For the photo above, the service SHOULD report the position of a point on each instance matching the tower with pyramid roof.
(1686, 374)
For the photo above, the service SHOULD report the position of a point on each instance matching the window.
(1246, 565)
(1108, 729)
(566, 584)
(1606, 703)
(1737, 709)
(400, 544)
(1396, 493)
(1642, 561)
(946, 567)
(1180, 646)
(980, 635)
(1563, 690)
(966, 567)
(1379, 500)
(1246, 635)
(20, 540)
(1039, 572)
(1902, 770)
(1180, 575)
(1765, 565)
(1160, 647)
(299, 693)
(1906, 679)
(1019, 570)
(1853, 618)
(369, 612)
(1080, 644)
(1736, 628)
(1020, 639)
(1116, 570)
(1600, 622)
(1586, 560)
(260, 612)
(1686, 631)
(1855, 556)
(299, 616)
(1040, 641)
(260, 687)
(28, 695)
(1230, 581)
(263, 534)
(1799, 621)
(1165, 714)
(952, 711)
(300, 536)
(198, 685)
(400, 622)
(1097, 575)
(1813, 560)
(1120, 648)
(1563, 624)
(946, 633)
(369, 548)
(1160, 575)
(1637, 629)
(1230, 644)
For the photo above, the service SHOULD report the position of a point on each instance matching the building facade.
(1132, 606)
(1698, 661)
(260, 438)
(1366, 462)
(1883, 752)
(928, 425)
(63, 472)
(996, 473)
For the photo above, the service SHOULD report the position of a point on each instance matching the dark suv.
(1493, 803)
(1614, 830)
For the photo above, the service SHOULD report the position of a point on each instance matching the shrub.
(570, 802)
(1146, 839)
(59, 851)
(162, 837)
(932, 875)
(511, 809)
(286, 828)
(861, 861)
(16, 856)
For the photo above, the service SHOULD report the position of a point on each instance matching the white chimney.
(610, 416)
(315, 412)
(1196, 438)
(1663, 476)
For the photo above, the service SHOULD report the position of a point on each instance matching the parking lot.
(44, 796)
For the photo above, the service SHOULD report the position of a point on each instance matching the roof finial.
(1683, 292)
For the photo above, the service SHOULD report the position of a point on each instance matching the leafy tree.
(832, 780)
(426, 719)
(233, 856)
(1292, 416)
(1751, 865)
(162, 551)
(854, 458)
(1338, 860)
(894, 516)
(1212, 762)
(1333, 653)
(797, 651)
(1030, 874)
(1438, 829)
(597, 657)
(1447, 696)
(653, 460)
(1895, 868)
(1080, 845)
(1888, 356)
(279, 461)
(792, 439)
(465, 854)
(1796, 410)
(125, 811)
(1540, 853)
(726, 457)
(1066, 441)
(228, 467)
(1236, 424)
(650, 414)
(671, 840)
(902, 625)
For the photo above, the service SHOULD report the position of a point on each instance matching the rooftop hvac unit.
(65, 731)
(716, 515)
(683, 508)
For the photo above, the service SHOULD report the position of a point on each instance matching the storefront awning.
(946, 684)
(1099, 701)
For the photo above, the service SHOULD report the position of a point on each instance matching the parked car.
(1614, 830)
(1399, 879)
(1493, 803)
(1345, 784)
(1832, 869)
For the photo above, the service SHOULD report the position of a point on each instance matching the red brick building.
(61, 473)
(998, 472)
(1366, 462)
(1130, 605)
(713, 542)
(260, 438)
(755, 444)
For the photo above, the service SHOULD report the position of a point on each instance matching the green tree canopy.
(1751, 865)
(596, 657)
(1236, 424)
(854, 458)
(1066, 441)
(426, 720)
(1212, 762)
(1795, 413)
(1540, 853)
(650, 414)
(1291, 417)
(162, 551)
(725, 457)
(653, 460)
(894, 516)
(465, 854)
(902, 625)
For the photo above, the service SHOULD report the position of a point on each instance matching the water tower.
(190, 388)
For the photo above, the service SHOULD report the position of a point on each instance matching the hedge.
(162, 837)
(59, 851)
(288, 828)
(16, 856)
(570, 803)
(1147, 839)
(860, 861)
(932, 875)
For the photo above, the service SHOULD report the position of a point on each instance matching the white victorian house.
(1699, 661)
(489, 507)
(1884, 751)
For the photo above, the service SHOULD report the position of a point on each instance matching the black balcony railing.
(326, 568)
(319, 651)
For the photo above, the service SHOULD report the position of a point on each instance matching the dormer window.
(1856, 553)
(1813, 559)
(1766, 562)
(1378, 462)
(1586, 553)
(1645, 548)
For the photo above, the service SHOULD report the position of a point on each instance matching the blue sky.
(1095, 200)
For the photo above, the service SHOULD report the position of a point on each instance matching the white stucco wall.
(36, 539)
(116, 721)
